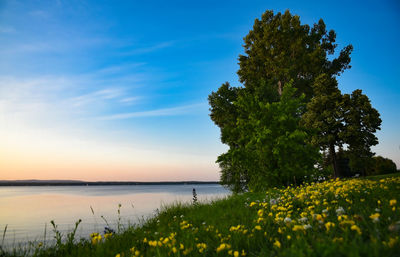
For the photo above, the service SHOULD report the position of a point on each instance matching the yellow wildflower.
(338, 239)
(222, 247)
(356, 228)
(328, 225)
(392, 241)
(375, 217)
(277, 244)
(298, 228)
(392, 202)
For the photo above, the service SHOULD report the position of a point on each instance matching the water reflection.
(28, 210)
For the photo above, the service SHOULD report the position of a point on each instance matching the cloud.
(104, 94)
(149, 49)
(130, 100)
(116, 69)
(174, 111)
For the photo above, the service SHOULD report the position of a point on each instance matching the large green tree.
(278, 50)
(361, 121)
(325, 115)
(339, 120)
(272, 148)
(281, 49)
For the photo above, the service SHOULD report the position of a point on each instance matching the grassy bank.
(355, 217)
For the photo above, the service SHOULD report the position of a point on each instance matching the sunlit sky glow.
(117, 90)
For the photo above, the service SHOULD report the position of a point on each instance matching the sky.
(117, 90)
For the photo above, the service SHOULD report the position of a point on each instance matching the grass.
(354, 217)
(378, 177)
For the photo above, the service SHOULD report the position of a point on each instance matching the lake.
(28, 210)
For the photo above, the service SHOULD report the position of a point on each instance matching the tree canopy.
(281, 49)
(289, 107)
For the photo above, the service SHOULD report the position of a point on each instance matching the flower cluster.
(330, 212)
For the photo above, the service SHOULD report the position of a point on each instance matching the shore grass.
(353, 217)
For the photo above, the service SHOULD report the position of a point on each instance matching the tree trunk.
(334, 163)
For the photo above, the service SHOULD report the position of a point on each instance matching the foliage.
(342, 119)
(324, 114)
(380, 165)
(279, 49)
(355, 217)
(272, 149)
(375, 165)
(223, 111)
(361, 122)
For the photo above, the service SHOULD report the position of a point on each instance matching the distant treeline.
(98, 183)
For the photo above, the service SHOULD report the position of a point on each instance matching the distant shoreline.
(97, 183)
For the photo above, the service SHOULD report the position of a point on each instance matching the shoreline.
(101, 183)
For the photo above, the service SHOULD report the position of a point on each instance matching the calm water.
(27, 211)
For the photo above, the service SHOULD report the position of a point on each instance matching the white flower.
(287, 220)
(377, 210)
(308, 226)
(339, 211)
(303, 220)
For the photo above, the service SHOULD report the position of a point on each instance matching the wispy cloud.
(174, 111)
(149, 49)
(115, 69)
(43, 98)
(130, 100)
(104, 94)
(60, 45)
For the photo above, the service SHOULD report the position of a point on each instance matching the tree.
(361, 122)
(324, 115)
(380, 165)
(280, 49)
(273, 149)
(254, 119)
(342, 119)
(223, 111)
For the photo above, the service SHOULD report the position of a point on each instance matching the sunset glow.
(118, 92)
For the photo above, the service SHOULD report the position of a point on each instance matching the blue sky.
(107, 90)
